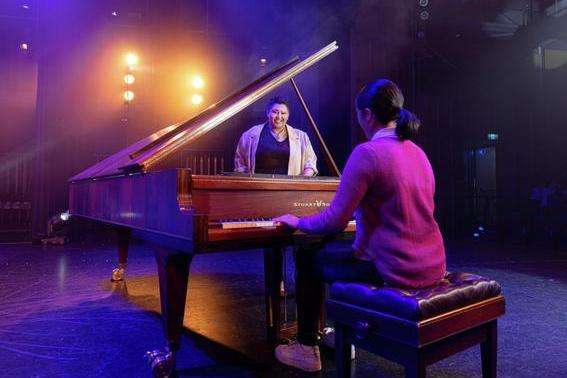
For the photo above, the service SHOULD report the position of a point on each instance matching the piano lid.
(142, 155)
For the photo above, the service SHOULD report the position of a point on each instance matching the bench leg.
(488, 350)
(342, 350)
(415, 367)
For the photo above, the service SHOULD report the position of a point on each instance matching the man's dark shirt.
(272, 157)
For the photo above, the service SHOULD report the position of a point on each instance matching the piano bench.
(417, 327)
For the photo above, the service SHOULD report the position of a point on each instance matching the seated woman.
(388, 184)
(275, 147)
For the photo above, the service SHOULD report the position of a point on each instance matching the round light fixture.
(198, 82)
(131, 59)
(129, 79)
(128, 96)
(196, 99)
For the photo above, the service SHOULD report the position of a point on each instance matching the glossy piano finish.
(147, 203)
(224, 197)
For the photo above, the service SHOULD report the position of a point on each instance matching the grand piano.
(141, 193)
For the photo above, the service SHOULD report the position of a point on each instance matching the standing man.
(275, 147)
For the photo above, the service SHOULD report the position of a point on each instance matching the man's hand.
(288, 220)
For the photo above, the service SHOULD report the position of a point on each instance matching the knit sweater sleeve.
(355, 181)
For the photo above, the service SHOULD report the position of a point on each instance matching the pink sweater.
(389, 186)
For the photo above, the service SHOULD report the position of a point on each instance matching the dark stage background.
(468, 69)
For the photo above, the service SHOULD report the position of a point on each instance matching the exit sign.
(492, 136)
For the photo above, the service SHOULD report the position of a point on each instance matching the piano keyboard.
(257, 222)
(247, 223)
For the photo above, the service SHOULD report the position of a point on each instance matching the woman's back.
(388, 184)
(395, 224)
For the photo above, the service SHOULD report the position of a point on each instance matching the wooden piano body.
(191, 209)
(139, 193)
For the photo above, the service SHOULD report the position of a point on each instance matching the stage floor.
(62, 317)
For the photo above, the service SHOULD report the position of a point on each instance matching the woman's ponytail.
(407, 125)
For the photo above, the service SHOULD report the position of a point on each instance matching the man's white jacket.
(301, 154)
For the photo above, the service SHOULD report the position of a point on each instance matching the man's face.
(359, 116)
(277, 116)
(365, 119)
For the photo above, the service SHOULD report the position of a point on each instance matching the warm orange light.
(198, 82)
(129, 79)
(128, 96)
(196, 99)
(131, 59)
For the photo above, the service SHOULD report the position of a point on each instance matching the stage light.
(25, 6)
(263, 62)
(24, 46)
(424, 15)
(115, 13)
(198, 82)
(423, 3)
(131, 59)
(65, 216)
(129, 79)
(128, 96)
(196, 99)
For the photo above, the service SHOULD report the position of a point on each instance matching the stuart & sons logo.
(317, 203)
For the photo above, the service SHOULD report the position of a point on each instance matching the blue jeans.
(314, 267)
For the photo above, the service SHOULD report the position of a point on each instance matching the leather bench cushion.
(454, 291)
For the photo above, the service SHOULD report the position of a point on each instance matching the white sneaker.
(299, 356)
(329, 341)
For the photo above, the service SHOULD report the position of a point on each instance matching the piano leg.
(123, 235)
(273, 277)
(173, 272)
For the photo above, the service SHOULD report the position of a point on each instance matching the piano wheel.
(162, 362)
(117, 274)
